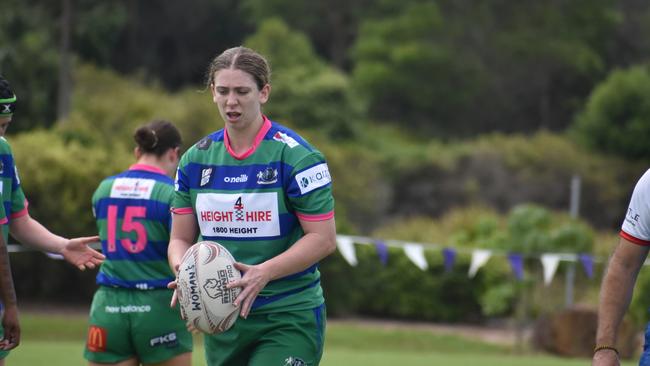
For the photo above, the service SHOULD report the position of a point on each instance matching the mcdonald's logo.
(96, 339)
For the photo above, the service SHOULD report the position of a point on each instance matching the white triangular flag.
(549, 264)
(415, 252)
(479, 258)
(346, 247)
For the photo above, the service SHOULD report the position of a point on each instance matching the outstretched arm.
(76, 251)
(615, 295)
(10, 323)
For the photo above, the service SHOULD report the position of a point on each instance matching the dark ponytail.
(157, 137)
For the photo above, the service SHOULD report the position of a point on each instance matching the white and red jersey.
(636, 226)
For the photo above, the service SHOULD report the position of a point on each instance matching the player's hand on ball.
(77, 252)
(191, 328)
(254, 279)
(173, 285)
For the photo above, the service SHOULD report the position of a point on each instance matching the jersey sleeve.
(181, 201)
(310, 188)
(636, 225)
(3, 214)
(18, 202)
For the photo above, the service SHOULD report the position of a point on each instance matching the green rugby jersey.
(133, 216)
(3, 216)
(13, 202)
(251, 204)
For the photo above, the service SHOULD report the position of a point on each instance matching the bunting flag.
(382, 251)
(479, 258)
(415, 252)
(550, 263)
(517, 265)
(587, 264)
(345, 245)
(449, 256)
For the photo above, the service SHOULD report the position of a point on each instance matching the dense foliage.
(422, 108)
(616, 119)
(450, 68)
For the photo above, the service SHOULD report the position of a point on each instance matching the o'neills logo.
(241, 179)
(96, 339)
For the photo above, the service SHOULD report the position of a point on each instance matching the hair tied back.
(155, 139)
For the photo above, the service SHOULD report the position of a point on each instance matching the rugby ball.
(204, 300)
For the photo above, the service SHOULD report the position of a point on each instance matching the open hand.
(78, 253)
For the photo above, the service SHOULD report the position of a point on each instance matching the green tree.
(306, 92)
(330, 25)
(411, 75)
(616, 119)
(458, 68)
(29, 60)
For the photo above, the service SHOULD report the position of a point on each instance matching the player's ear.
(175, 154)
(265, 93)
(214, 92)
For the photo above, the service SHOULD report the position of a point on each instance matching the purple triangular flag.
(587, 264)
(517, 264)
(449, 255)
(382, 251)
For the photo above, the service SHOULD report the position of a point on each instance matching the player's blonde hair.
(241, 58)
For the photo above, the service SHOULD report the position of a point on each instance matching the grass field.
(58, 340)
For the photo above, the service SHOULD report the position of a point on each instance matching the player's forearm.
(31, 233)
(175, 252)
(310, 249)
(183, 234)
(615, 297)
(8, 292)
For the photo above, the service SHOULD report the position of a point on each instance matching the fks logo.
(267, 176)
(168, 340)
(96, 339)
(294, 361)
(205, 176)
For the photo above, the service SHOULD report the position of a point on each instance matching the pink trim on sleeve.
(4, 221)
(21, 213)
(633, 239)
(321, 217)
(182, 210)
(266, 126)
